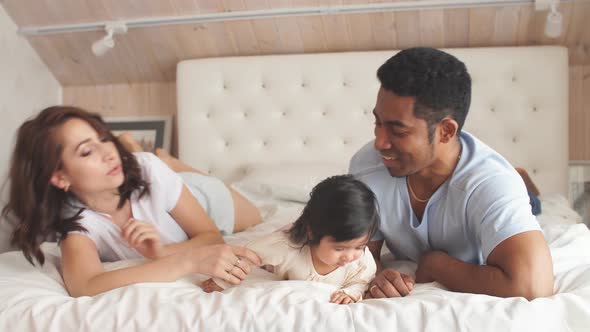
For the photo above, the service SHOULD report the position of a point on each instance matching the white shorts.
(214, 197)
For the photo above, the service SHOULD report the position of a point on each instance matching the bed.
(273, 126)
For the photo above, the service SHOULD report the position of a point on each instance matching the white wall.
(26, 87)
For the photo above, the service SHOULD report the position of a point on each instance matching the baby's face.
(337, 254)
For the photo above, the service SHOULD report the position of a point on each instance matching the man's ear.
(59, 181)
(448, 128)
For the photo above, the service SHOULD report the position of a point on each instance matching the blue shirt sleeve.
(497, 209)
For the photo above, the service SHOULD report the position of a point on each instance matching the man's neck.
(432, 177)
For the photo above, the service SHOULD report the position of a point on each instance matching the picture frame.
(579, 188)
(151, 132)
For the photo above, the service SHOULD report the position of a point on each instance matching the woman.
(71, 177)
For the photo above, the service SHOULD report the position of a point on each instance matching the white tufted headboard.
(238, 111)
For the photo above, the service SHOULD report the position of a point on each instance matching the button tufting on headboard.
(318, 108)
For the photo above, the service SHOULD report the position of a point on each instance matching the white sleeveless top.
(165, 188)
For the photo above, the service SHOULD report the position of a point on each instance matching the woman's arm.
(195, 222)
(273, 249)
(84, 275)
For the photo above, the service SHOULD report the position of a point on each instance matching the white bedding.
(34, 299)
(317, 110)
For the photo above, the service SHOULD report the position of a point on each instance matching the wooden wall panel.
(431, 22)
(579, 113)
(506, 26)
(405, 28)
(143, 99)
(137, 76)
(456, 26)
(482, 22)
(150, 54)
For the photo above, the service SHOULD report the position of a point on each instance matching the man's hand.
(427, 263)
(390, 283)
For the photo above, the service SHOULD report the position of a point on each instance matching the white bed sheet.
(34, 299)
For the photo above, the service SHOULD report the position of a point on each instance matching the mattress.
(34, 298)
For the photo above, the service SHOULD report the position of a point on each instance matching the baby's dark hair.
(341, 207)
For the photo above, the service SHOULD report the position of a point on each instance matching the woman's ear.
(308, 233)
(59, 181)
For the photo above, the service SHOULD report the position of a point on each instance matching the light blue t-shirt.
(483, 203)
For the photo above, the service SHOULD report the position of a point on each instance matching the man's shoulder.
(481, 164)
(365, 161)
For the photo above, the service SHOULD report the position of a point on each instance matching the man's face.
(400, 137)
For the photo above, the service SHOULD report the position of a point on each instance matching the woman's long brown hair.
(35, 206)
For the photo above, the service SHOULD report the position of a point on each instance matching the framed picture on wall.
(151, 132)
(580, 188)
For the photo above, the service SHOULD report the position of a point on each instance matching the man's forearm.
(463, 277)
(379, 265)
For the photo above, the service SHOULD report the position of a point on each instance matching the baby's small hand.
(340, 297)
(210, 286)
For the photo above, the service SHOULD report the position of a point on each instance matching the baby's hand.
(143, 238)
(210, 286)
(340, 297)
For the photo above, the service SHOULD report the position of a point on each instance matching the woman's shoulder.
(151, 166)
(145, 158)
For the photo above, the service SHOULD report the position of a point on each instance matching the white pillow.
(556, 209)
(292, 182)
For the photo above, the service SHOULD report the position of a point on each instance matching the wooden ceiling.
(151, 54)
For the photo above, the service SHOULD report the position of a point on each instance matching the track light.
(554, 22)
(103, 45)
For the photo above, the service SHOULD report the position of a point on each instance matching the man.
(447, 201)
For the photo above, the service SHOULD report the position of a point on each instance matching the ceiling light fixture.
(554, 21)
(105, 44)
(400, 5)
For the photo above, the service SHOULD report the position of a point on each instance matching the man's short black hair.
(439, 82)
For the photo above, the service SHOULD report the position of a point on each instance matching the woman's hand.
(223, 261)
(143, 237)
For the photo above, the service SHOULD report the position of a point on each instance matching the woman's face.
(91, 164)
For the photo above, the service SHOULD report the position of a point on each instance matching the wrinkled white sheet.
(34, 299)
